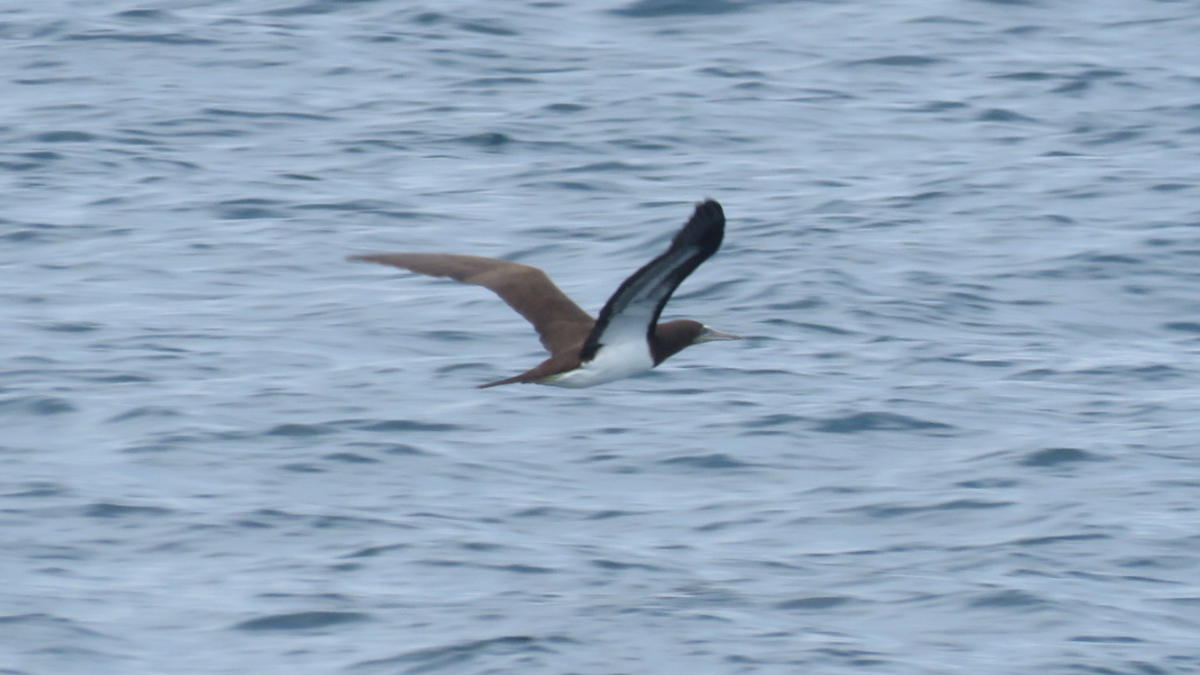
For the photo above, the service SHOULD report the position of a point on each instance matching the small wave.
(452, 656)
(394, 426)
(877, 421)
(1057, 456)
(899, 61)
(302, 620)
(895, 511)
(36, 405)
(650, 9)
(816, 602)
(714, 461)
(1009, 598)
(152, 38)
(111, 510)
(294, 430)
(66, 136)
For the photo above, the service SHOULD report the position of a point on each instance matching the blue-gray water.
(962, 437)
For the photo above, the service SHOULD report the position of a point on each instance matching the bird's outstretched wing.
(632, 312)
(559, 322)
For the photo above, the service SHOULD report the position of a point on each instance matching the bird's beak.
(714, 335)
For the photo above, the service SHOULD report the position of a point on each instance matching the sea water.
(962, 434)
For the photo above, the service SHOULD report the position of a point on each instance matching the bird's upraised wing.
(632, 312)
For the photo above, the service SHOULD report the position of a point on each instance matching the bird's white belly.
(612, 362)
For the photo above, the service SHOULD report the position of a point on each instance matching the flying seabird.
(627, 338)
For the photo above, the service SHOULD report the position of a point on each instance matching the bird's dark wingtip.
(710, 207)
(705, 228)
(708, 214)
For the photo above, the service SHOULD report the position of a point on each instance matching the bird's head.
(672, 337)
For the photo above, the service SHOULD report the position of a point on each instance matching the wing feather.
(559, 322)
(633, 310)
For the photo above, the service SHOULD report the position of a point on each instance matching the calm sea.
(962, 435)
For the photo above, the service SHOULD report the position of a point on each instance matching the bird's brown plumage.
(570, 334)
(559, 322)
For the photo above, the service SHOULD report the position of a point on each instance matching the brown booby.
(627, 338)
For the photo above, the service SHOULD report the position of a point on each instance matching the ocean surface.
(962, 434)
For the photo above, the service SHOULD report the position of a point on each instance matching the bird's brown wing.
(559, 322)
